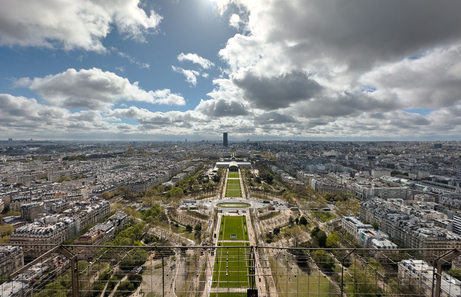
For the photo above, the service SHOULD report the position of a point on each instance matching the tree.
(189, 228)
(303, 221)
(151, 193)
(333, 240)
(269, 178)
(362, 281)
(161, 188)
(136, 258)
(296, 235)
(354, 205)
(314, 231)
(456, 273)
(6, 230)
(176, 192)
(318, 255)
(54, 289)
(322, 238)
(107, 195)
(342, 209)
(323, 259)
(198, 228)
(276, 231)
(321, 203)
(375, 225)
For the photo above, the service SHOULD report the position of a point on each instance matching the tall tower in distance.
(224, 139)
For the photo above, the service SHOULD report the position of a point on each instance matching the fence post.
(342, 271)
(163, 276)
(74, 269)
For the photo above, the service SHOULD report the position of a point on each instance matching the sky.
(257, 69)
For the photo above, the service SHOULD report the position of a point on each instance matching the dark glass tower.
(224, 139)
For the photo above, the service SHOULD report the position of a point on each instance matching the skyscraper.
(224, 139)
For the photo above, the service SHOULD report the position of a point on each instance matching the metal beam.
(438, 262)
(59, 250)
(36, 261)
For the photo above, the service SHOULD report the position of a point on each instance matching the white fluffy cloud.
(94, 89)
(302, 68)
(191, 75)
(194, 58)
(234, 21)
(337, 68)
(72, 24)
(23, 116)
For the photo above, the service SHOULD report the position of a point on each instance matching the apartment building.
(11, 259)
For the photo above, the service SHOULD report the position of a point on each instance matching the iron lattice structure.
(113, 271)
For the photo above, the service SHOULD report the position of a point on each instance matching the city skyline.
(260, 70)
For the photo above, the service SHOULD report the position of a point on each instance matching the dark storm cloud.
(360, 32)
(273, 118)
(277, 92)
(222, 108)
(343, 105)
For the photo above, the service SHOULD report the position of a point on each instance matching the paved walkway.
(262, 267)
(229, 290)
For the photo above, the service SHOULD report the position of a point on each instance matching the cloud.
(72, 24)
(222, 108)
(277, 92)
(342, 105)
(273, 118)
(157, 120)
(430, 81)
(28, 109)
(191, 75)
(352, 32)
(24, 116)
(234, 21)
(131, 59)
(125, 127)
(194, 58)
(94, 89)
(331, 68)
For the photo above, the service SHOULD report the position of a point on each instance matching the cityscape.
(227, 218)
(229, 148)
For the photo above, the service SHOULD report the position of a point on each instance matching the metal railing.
(233, 270)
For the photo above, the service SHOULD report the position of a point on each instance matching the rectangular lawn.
(233, 188)
(233, 182)
(233, 225)
(233, 193)
(230, 269)
(233, 174)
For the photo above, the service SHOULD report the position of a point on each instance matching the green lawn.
(325, 216)
(233, 188)
(233, 182)
(233, 193)
(230, 269)
(233, 225)
(233, 175)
